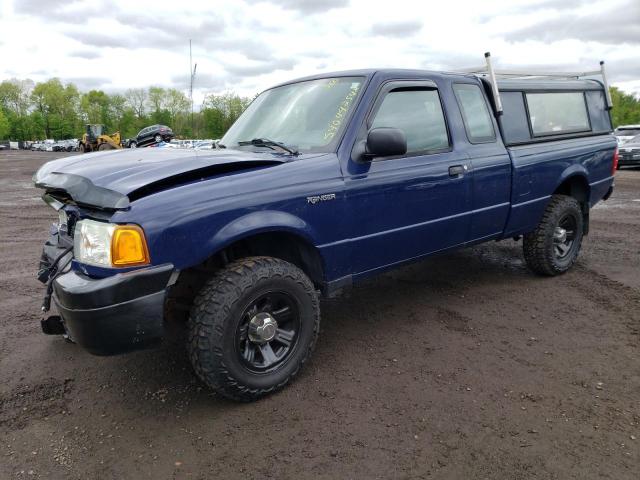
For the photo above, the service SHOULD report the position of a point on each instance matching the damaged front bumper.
(106, 316)
(116, 314)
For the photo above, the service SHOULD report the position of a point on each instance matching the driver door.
(410, 205)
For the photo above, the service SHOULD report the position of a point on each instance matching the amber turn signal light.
(129, 247)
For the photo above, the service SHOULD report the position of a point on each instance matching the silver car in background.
(624, 133)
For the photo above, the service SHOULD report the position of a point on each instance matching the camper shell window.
(539, 111)
(555, 113)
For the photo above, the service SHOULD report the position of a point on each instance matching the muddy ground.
(463, 366)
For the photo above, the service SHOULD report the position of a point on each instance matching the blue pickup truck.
(322, 182)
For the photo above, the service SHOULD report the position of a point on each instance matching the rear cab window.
(418, 113)
(475, 113)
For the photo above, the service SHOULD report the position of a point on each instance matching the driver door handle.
(457, 170)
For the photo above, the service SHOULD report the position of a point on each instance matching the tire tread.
(210, 311)
(537, 253)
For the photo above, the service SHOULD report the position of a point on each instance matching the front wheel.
(252, 327)
(157, 139)
(553, 247)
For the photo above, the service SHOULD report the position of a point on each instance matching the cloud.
(513, 8)
(550, 4)
(614, 26)
(88, 83)
(397, 29)
(101, 40)
(316, 53)
(261, 68)
(250, 47)
(71, 11)
(179, 30)
(206, 81)
(212, 35)
(87, 54)
(39, 7)
(306, 6)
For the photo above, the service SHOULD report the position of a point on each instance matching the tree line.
(53, 109)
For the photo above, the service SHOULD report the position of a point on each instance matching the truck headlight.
(109, 245)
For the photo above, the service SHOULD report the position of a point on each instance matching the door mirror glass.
(386, 142)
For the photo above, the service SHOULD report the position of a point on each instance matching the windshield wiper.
(265, 142)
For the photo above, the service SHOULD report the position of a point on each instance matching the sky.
(246, 46)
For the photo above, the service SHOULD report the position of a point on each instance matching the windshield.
(307, 116)
(626, 132)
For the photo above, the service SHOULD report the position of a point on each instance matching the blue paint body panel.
(380, 213)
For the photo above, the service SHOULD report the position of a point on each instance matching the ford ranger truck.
(322, 182)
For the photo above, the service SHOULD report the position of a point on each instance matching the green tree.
(117, 107)
(626, 108)
(221, 111)
(178, 106)
(4, 126)
(16, 102)
(156, 100)
(57, 106)
(137, 100)
(94, 107)
(158, 112)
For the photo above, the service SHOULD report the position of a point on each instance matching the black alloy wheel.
(268, 331)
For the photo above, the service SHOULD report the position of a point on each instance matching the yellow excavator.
(95, 139)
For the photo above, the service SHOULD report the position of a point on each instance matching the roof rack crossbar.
(493, 75)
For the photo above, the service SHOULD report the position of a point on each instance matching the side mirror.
(386, 142)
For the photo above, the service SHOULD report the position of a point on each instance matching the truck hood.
(113, 179)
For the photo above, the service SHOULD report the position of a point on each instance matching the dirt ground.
(465, 366)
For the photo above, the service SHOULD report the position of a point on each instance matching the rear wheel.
(553, 247)
(157, 138)
(252, 327)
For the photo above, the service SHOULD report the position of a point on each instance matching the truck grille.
(632, 155)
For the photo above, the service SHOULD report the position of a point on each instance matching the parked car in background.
(204, 145)
(626, 132)
(630, 152)
(174, 144)
(150, 135)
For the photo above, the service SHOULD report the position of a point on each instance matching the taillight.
(615, 162)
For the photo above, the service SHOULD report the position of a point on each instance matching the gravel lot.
(463, 366)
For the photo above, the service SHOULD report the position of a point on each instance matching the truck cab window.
(419, 114)
(475, 114)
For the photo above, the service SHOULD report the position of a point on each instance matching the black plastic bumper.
(629, 163)
(116, 314)
(609, 193)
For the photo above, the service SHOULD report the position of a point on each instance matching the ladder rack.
(488, 70)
